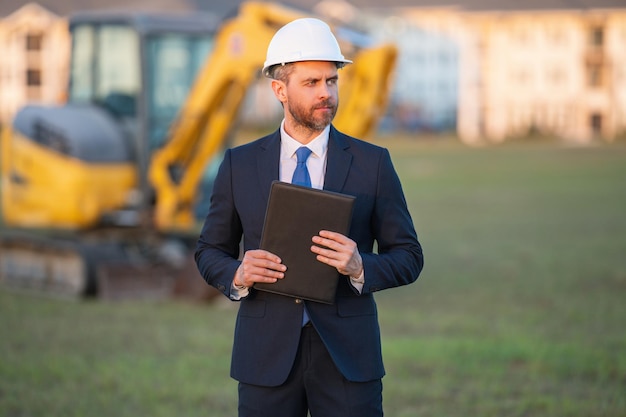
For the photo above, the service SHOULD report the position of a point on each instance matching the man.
(292, 356)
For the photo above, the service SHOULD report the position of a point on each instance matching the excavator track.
(38, 266)
(107, 269)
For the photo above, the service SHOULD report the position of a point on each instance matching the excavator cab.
(129, 75)
(138, 67)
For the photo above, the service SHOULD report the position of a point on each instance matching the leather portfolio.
(294, 215)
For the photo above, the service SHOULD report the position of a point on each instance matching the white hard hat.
(306, 39)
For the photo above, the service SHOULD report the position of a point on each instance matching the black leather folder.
(294, 215)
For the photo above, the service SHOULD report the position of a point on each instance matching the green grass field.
(520, 310)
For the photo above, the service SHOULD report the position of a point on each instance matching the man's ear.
(280, 90)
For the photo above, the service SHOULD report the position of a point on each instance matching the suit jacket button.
(298, 301)
(221, 287)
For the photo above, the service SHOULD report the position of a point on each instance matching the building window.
(33, 77)
(594, 73)
(557, 36)
(597, 37)
(34, 42)
(556, 76)
(521, 36)
(595, 123)
(521, 77)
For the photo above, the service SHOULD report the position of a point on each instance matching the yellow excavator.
(99, 196)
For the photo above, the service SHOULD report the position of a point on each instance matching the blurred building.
(494, 70)
(489, 70)
(426, 86)
(425, 93)
(37, 42)
(557, 72)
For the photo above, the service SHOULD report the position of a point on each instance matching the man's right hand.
(258, 266)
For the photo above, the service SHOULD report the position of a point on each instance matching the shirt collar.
(289, 145)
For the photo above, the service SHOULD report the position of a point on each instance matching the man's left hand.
(338, 251)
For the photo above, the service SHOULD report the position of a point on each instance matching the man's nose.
(325, 90)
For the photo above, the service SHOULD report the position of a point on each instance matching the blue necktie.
(301, 177)
(301, 173)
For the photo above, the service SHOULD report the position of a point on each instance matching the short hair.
(281, 72)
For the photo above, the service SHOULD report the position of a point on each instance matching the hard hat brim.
(268, 66)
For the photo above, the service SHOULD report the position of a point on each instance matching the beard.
(307, 117)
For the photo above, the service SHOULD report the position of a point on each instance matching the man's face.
(312, 94)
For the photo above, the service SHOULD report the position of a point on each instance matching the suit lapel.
(268, 163)
(338, 161)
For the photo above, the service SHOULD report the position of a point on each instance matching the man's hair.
(281, 72)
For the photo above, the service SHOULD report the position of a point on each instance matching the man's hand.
(258, 266)
(338, 251)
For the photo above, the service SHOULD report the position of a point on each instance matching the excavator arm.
(212, 105)
(210, 109)
(364, 90)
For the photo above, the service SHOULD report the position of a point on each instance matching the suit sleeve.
(399, 260)
(217, 250)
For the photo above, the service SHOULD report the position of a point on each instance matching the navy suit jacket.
(268, 326)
